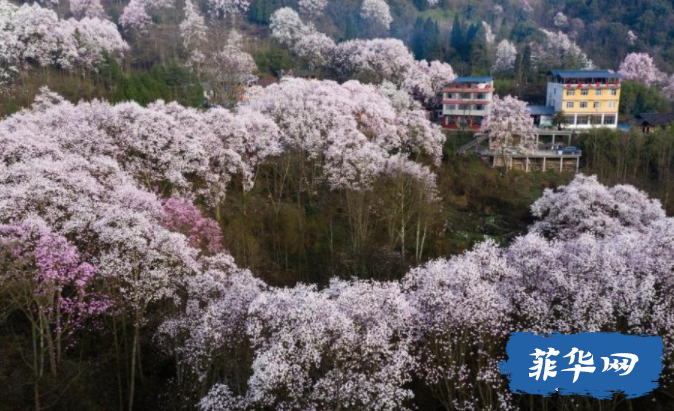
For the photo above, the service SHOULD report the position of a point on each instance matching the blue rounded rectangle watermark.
(590, 364)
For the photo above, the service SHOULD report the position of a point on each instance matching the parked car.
(570, 150)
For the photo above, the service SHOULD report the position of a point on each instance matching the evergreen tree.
(433, 46)
(417, 39)
(479, 52)
(457, 37)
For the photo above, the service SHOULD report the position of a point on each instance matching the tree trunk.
(134, 349)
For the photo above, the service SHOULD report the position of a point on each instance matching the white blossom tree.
(228, 8)
(287, 26)
(312, 8)
(631, 38)
(377, 12)
(34, 36)
(506, 54)
(229, 70)
(558, 50)
(316, 50)
(560, 20)
(193, 28)
(489, 35)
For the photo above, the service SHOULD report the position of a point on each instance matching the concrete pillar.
(561, 163)
(553, 139)
(577, 164)
(602, 119)
(568, 141)
(526, 165)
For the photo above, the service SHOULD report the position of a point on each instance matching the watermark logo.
(592, 364)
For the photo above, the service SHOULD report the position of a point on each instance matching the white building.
(466, 102)
(587, 98)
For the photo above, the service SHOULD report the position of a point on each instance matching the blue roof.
(542, 110)
(472, 80)
(584, 73)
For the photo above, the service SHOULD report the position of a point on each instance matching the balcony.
(591, 85)
(485, 89)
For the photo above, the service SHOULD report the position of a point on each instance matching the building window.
(571, 120)
(584, 92)
(582, 120)
(611, 104)
(596, 120)
(570, 92)
(609, 120)
(569, 104)
(480, 96)
(614, 92)
(583, 104)
(479, 107)
(597, 93)
(597, 104)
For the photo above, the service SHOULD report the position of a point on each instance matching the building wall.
(598, 108)
(469, 101)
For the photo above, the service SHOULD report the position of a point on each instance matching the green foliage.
(425, 42)
(643, 160)
(273, 59)
(260, 11)
(636, 98)
(504, 87)
(169, 83)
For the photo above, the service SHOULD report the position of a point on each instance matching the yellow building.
(588, 98)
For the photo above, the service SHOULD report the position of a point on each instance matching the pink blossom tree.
(135, 16)
(586, 206)
(45, 276)
(426, 80)
(510, 127)
(373, 60)
(641, 67)
(184, 217)
(461, 306)
(347, 345)
(87, 8)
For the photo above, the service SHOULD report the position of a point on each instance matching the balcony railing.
(591, 85)
(487, 89)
